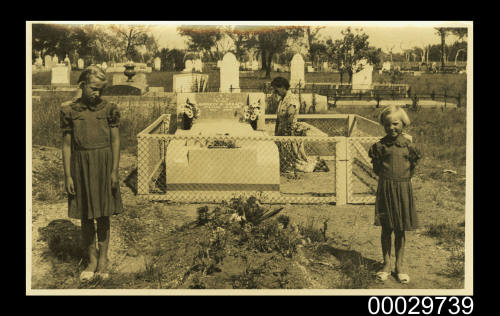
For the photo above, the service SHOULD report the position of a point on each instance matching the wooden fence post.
(341, 171)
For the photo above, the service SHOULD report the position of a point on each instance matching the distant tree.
(351, 49)
(315, 46)
(172, 59)
(271, 40)
(135, 38)
(443, 32)
(203, 39)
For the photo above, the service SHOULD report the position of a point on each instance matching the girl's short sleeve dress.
(91, 158)
(394, 161)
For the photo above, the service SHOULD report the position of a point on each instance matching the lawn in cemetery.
(157, 245)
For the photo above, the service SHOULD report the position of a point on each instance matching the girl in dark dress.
(91, 155)
(394, 159)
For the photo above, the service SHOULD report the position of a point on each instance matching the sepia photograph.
(249, 158)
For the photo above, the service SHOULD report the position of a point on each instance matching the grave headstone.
(229, 74)
(310, 69)
(386, 66)
(39, 62)
(362, 80)
(104, 66)
(297, 71)
(60, 75)
(67, 61)
(157, 64)
(55, 59)
(81, 63)
(188, 66)
(48, 61)
(198, 65)
(325, 66)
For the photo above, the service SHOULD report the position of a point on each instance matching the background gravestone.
(39, 61)
(229, 74)
(60, 75)
(157, 64)
(198, 65)
(362, 80)
(188, 66)
(81, 63)
(55, 60)
(104, 66)
(67, 61)
(297, 72)
(48, 61)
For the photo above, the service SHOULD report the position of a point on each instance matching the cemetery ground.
(170, 246)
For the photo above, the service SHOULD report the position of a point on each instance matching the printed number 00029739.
(428, 305)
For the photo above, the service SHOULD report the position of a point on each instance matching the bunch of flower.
(190, 110)
(252, 111)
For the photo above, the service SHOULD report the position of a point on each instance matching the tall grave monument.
(229, 74)
(297, 72)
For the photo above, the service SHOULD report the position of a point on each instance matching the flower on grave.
(252, 111)
(191, 110)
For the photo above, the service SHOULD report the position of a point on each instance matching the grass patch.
(452, 238)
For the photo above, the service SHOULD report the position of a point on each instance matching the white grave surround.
(60, 75)
(362, 80)
(253, 166)
(297, 71)
(229, 74)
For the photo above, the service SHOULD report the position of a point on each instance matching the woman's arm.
(115, 149)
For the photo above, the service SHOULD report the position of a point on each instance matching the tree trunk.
(443, 46)
(263, 59)
(269, 61)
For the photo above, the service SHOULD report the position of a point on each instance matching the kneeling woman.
(292, 153)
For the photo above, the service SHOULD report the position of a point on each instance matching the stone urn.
(129, 71)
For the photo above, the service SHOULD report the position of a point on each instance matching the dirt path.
(351, 255)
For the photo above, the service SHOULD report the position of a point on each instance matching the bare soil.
(153, 244)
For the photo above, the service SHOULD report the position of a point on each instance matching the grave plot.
(221, 156)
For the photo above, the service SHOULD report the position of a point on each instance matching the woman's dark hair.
(280, 82)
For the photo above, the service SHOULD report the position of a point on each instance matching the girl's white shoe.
(86, 275)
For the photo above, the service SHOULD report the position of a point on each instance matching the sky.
(384, 35)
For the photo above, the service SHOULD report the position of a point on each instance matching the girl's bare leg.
(103, 241)
(399, 244)
(385, 239)
(88, 236)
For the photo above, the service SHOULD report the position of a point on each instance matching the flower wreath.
(191, 110)
(252, 111)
